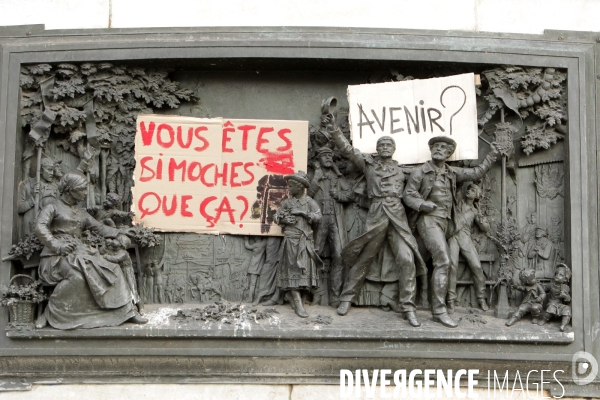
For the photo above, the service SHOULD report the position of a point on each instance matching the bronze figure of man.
(431, 192)
(324, 188)
(386, 220)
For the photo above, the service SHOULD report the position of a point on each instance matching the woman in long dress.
(299, 261)
(89, 291)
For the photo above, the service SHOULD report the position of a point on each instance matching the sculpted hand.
(93, 210)
(328, 121)
(427, 207)
(128, 231)
(289, 220)
(494, 149)
(36, 188)
(333, 193)
(299, 212)
(65, 248)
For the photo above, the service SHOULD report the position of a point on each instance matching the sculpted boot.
(483, 304)
(42, 320)
(298, 306)
(513, 320)
(274, 300)
(390, 303)
(343, 308)
(316, 300)
(138, 319)
(411, 317)
(545, 317)
(450, 306)
(564, 322)
(445, 320)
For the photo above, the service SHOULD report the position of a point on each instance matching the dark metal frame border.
(577, 52)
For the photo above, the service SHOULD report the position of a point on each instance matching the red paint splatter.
(279, 163)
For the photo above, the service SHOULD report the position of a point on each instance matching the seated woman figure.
(89, 291)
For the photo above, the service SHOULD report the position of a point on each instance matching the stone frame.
(304, 360)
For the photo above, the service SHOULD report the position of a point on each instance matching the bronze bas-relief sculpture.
(383, 226)
(89, 290)
(34, 195)
(299, 264)
(431, 192)
(386, 220)
(461, 243)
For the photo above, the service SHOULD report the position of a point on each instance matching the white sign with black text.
(412, 112)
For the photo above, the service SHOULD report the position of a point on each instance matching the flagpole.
(38, 177)
(503, 307)
(40, 132)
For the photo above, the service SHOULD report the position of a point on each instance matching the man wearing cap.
(47, 188)
(386, 220)
(431, 192)
(325, 190)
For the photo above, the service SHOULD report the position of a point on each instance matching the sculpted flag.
(214, 175)
(412, 112)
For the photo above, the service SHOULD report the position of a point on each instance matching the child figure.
(117, 253)
(534, 298)
(558, 294)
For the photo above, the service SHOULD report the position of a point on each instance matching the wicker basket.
(21, 311)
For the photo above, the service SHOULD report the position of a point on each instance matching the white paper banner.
(412, 112)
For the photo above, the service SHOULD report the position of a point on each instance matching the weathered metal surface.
(285, 73)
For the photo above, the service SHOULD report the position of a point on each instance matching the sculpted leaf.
(68, 146)
(105, 65)
(539, 136)
(26, 81)
(494, 102)
(66, 69)
(552, 112)
(31, 99)
(76, 135)
(68, 88)
(30, 116)
(69, 116)
(88, 69)
(39, 69)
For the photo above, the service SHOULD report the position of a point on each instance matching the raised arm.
(352, 154)
(476, 173)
